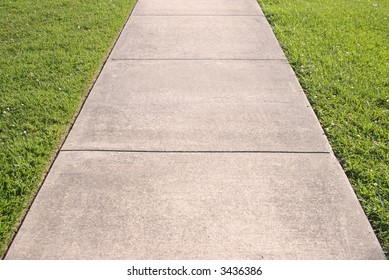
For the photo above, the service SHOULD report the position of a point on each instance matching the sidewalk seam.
(196, 15)
(195, 151)
(201, 59)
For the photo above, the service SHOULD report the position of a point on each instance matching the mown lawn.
(340, 52)
(51, 51)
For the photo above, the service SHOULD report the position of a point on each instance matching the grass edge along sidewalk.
(339, 51)
(51, 54)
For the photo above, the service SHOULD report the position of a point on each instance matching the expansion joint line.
(200, 59)
(195, 151)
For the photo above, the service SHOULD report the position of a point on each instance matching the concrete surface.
(198, 106)
(197, 37)
(198, 144)
(198, 7)
(107, 205)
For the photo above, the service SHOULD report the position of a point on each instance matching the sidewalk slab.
(195, 206)
(198, 106)
(200, 37)
(198, 7)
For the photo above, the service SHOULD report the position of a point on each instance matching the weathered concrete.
(198, 7)
(195, 206)
(200, 37)
(198, 106)
(251, 175)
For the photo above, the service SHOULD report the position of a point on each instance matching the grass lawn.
(51, 51)
(340, 52)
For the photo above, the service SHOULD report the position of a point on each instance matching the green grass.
(51, 51)
(339, 51)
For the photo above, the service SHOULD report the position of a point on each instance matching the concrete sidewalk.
(196, 142)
